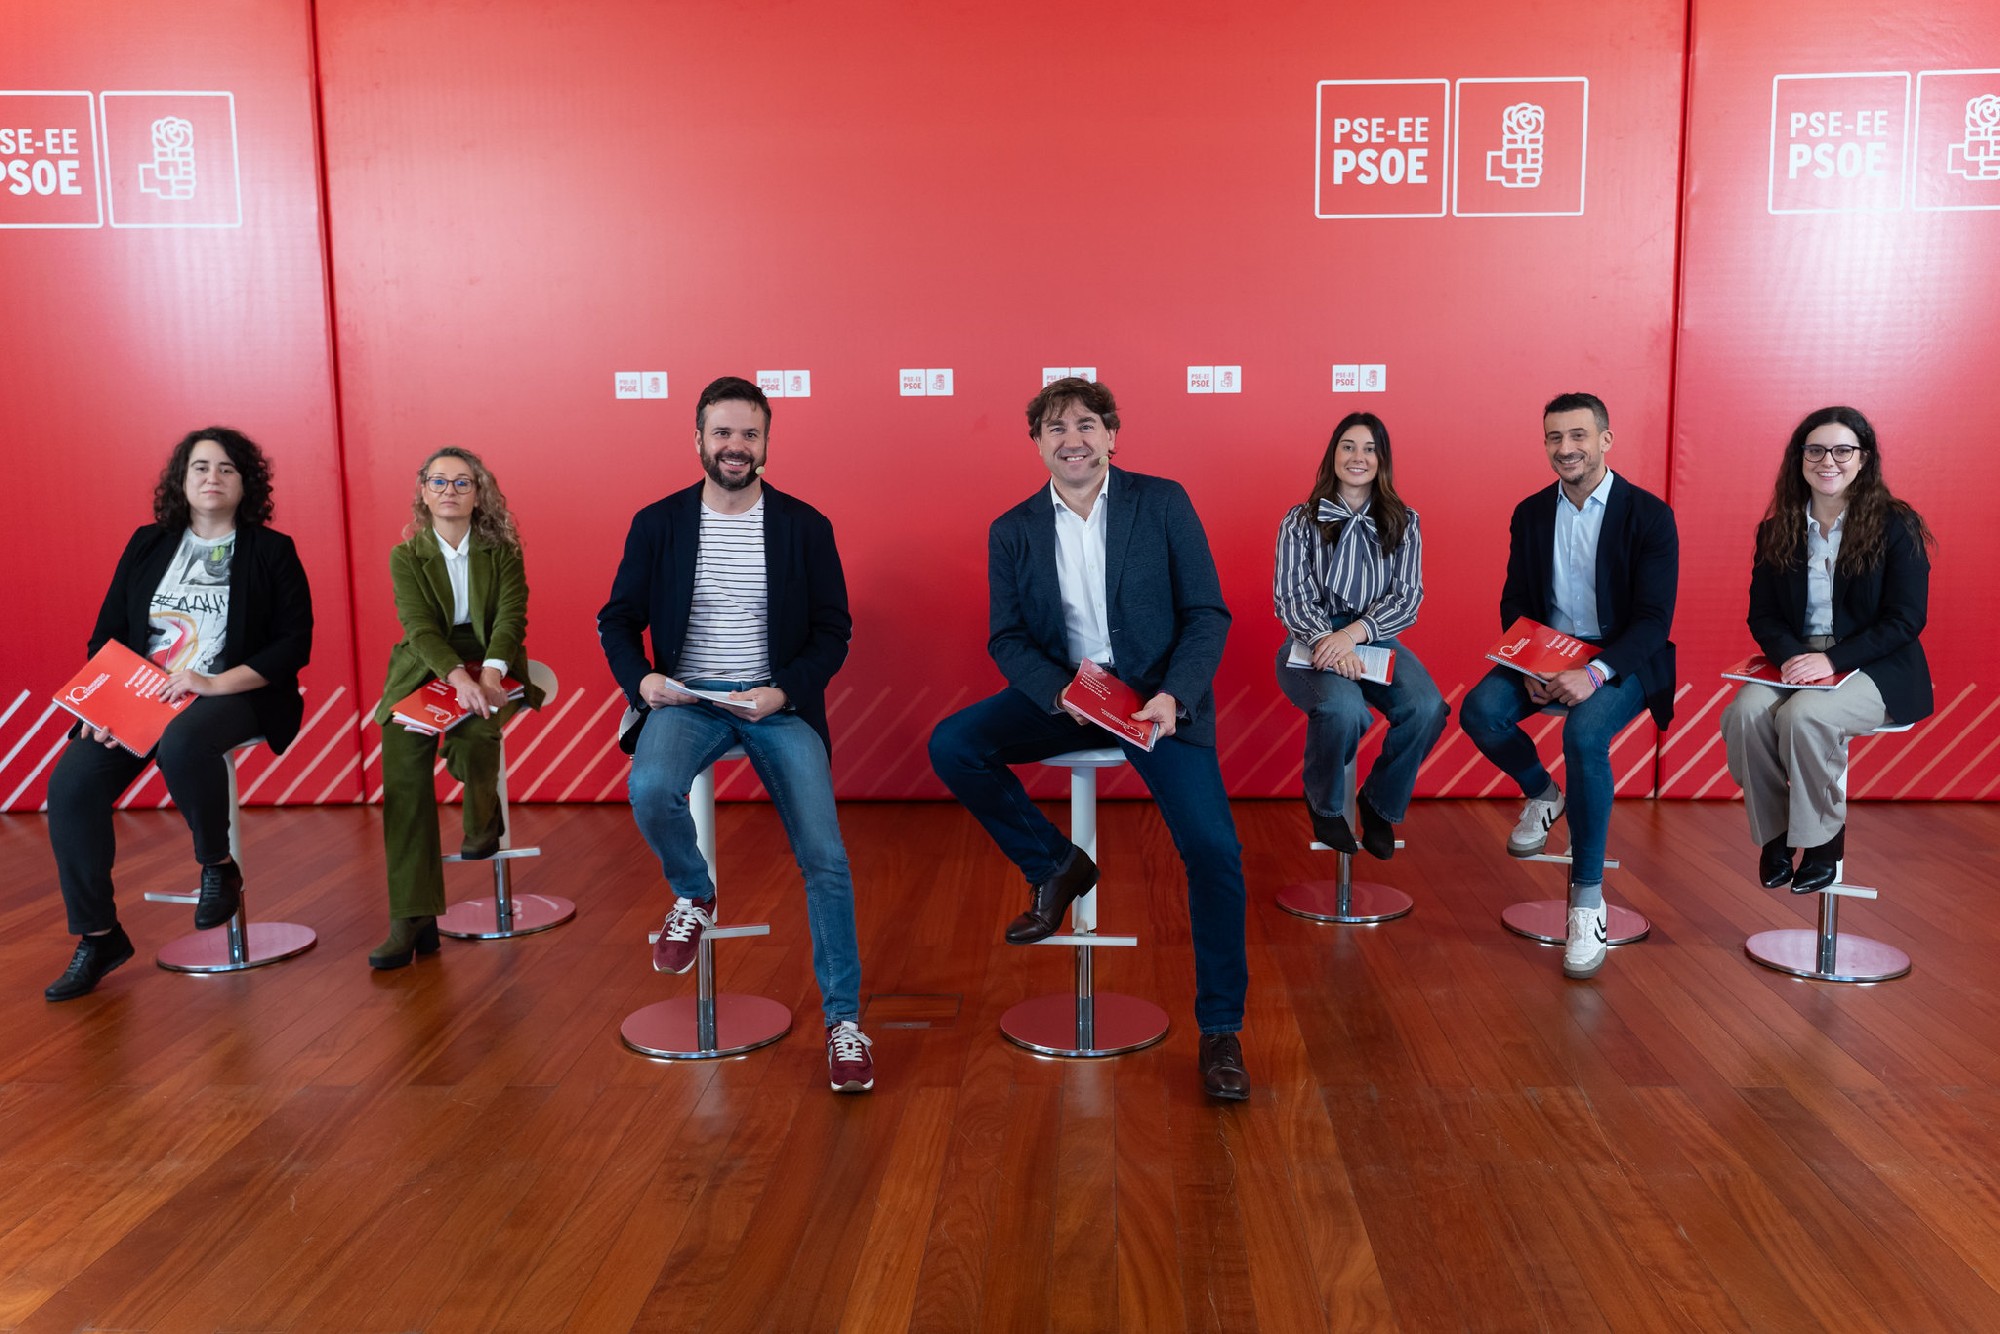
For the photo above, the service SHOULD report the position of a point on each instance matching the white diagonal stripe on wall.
(1949, 746)
(1911, 742)
(339, 735)
(519, 761)
(19, 700)
(34, 773)
(311, 723)
(26, 737)
(616, 698)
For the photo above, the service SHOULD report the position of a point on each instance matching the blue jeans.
(676, 743)
(971, 751)
(1337, 715)
(1491, 716)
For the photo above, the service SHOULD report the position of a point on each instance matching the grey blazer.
(1164, 603)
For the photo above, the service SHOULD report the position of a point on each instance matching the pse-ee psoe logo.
(171, 160)
(48, 161)
(1519, 147)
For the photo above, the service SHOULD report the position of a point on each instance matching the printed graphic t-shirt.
(190, 609)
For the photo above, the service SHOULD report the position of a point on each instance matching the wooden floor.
(1444, 1135)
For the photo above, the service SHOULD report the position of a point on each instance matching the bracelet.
(1596, 681)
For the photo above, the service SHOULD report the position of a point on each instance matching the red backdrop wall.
(519, 207)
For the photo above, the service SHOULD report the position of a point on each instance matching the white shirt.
(458, 568)
(1080, 575)
(1573, 588)
(728, 636)
(1822, 554)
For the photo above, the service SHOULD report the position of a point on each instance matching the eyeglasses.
(440, 485)
(1841, 453)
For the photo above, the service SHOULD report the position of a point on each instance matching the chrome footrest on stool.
(1085, 1022)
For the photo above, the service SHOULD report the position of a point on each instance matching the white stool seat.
(1085, 1021)
(706, 1025)
(239, 943)
(1547, 920)
(507, 914)
(1824, 955)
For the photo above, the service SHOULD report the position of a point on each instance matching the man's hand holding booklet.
(1114, 706)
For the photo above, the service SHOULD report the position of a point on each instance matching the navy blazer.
(1161, 595)
(1876, 617)
(1638, 578)
(807, 626)
(270, 624)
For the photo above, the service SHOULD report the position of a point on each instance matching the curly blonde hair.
(490, 517)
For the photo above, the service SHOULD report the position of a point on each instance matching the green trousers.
(411, 843)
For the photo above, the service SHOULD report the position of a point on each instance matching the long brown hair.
(1391, 515)
(490, 517)
(1781, 537)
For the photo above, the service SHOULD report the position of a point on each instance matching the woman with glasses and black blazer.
(462, 598)
(1840, 584)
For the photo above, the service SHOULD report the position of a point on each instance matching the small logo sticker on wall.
(171, 173)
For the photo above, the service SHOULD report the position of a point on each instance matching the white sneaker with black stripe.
(1587, 942)
(1531, 832)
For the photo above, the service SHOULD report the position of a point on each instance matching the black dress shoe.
(1332, 830)
(1377, 834)
(95, 956)
(221, 895)
(1051, 899)
(1222, 1074)
(1774, 864)
(1820, 866)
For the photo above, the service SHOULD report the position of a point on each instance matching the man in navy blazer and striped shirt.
(741, 588)
(1596, 558)
(1112, 567)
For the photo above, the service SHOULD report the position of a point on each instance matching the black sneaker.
(95, 956)
(221, 895)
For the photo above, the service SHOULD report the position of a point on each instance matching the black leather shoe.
(1820, 866)
(1222, 1074)
(95, 956)
(1377, 834)
(1332, 830)
(221, 895)
(1774, 864)
(1051, 899)
(481, 848)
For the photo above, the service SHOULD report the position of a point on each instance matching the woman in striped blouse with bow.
(1350, 573)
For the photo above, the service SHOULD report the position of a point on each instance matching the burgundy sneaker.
(674, 949)
(848, 1063)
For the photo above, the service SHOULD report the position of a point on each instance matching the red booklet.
(1110, 703)
(433, 707)
(1760, 669)
(1531, 648)
(119, 691)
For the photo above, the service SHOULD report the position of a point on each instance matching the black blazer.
(807, 628)
(1638, 577)
(270, 616)
(1161, 595)
(1876, 617)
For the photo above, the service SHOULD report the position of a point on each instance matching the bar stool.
(238, 943)
(1547, 920)
(1085, 1022)
(1344, 899)
(706, 1026)
(504, 915)
(1825, 955)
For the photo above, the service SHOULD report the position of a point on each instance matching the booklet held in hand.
(1110, 703)
(1764, 672)
(433, 707)
(120, 692)
(1533, 649)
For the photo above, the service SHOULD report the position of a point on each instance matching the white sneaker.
(1587, 943)
(1531, 832)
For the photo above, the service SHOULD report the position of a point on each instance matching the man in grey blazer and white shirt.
(1112, 567)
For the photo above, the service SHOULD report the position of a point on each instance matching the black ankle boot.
(1820, 866)
(1774, 864)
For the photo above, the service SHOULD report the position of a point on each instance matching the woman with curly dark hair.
(462, 598)
(1840, 584)
(217, 599)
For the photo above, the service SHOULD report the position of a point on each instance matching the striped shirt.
(1319, 589)
(727, 635)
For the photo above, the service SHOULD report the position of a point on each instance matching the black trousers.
(193, 756)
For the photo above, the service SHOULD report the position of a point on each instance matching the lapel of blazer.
(1611, 549)
(241, 576)
(778, 590)
(437, 580)
(684, 537)
(1119, 521)
(1042, 585)
(479, 588)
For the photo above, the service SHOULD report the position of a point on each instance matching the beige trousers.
(1788, 751)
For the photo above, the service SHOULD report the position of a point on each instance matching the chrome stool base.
(1854, 959)
(503, 919)
(1547, 920)
(671, 1029)
(235, 947)
(1107, 1024)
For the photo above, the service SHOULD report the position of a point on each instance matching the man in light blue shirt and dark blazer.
(1597, 558)
(1111, 567)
